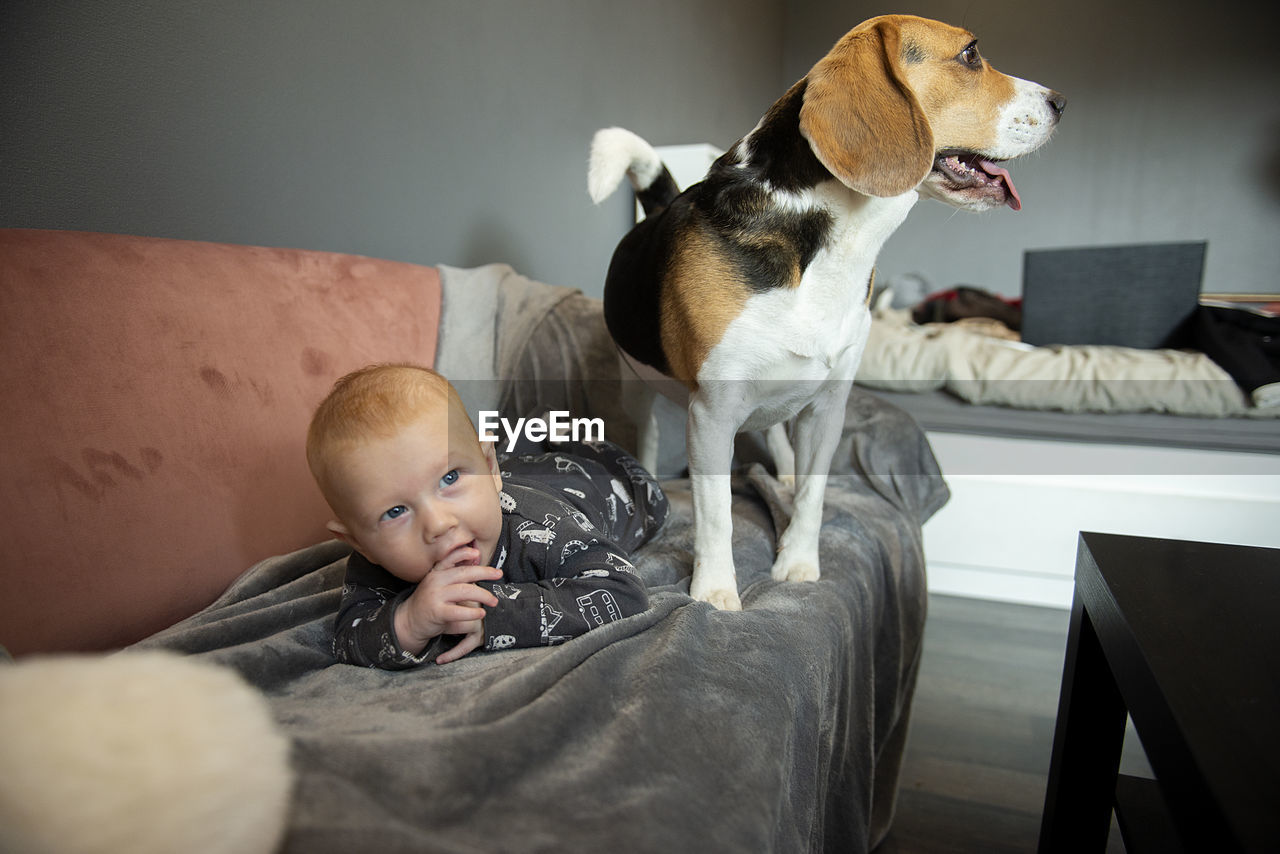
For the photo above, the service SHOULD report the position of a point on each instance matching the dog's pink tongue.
(1014, 201)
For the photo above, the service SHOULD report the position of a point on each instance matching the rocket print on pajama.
(572, 513)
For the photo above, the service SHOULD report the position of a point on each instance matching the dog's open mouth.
(972, 175)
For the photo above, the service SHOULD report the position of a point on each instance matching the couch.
(156, 497)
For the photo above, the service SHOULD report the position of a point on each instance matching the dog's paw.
(785, 569)
(723, 597)
(788, 481)
(724, 600)
(715, 583)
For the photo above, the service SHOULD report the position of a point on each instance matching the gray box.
(1128, 296)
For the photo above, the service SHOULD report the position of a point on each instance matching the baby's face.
(420, 497)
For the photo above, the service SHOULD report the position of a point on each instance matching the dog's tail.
(616, 153)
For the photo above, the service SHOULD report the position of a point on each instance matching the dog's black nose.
(1058, 102)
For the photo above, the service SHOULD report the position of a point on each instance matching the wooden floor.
(977, 758)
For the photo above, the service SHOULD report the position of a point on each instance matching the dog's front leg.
(709, 433)
(817, 432)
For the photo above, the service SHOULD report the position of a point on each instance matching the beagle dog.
(746, 296)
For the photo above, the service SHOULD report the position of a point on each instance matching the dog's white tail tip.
(617, 153)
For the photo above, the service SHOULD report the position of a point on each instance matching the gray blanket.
(779, 728)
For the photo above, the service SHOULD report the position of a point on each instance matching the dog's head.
(904, 103)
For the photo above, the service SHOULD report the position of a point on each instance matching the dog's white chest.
(780, 353)
(788, 344)
(822, 346)
(826, 315)
(800, 334)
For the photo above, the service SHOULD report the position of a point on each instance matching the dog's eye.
(970, 56)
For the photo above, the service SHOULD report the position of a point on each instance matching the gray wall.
(1172, 132)
(433, 131)
(448, 131)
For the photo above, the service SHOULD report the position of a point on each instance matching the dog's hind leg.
(710, 433)
(817, 432)
(639, 402)
(784, 456)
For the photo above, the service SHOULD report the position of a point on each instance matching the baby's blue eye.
(450, 478)
(395, 512)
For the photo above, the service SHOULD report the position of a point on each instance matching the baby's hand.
(472, 630)
(473, 639)
(447, 601)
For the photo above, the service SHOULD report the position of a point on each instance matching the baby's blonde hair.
(374, 403)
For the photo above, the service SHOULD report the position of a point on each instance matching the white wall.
(457, 132)
(431, 131)
(1172, 132)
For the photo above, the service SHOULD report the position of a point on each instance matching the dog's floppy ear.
(861, 118)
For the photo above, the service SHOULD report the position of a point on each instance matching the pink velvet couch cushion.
(158, 395)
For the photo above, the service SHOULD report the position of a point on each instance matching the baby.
(452, 553)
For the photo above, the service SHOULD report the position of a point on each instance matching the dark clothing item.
(571, 516)
(964, 301)
(1245, 344)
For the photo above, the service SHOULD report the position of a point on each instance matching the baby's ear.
(489, 449)
(340, 531)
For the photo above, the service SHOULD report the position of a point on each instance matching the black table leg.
(1086, 747)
